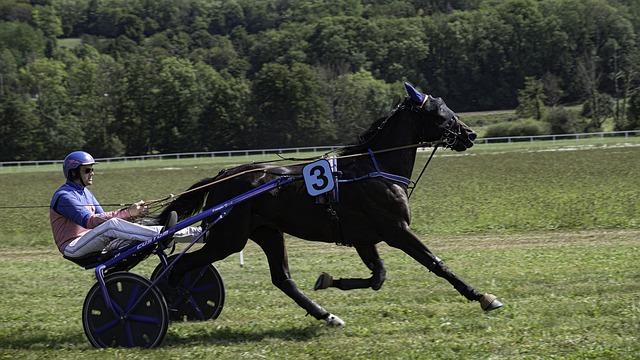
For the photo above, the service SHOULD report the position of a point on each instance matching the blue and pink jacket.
(74, 211)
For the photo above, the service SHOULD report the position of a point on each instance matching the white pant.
(97, 238)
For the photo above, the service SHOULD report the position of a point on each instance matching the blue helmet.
(76, 159)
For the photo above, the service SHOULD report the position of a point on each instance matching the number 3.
(316, 178)
(321, 180)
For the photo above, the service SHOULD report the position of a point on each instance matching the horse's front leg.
(370, 257)
(408, 242)
(272, 243)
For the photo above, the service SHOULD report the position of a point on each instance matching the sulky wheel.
(139, 318)
(199, 297)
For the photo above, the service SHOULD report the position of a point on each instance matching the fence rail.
(578, 136)
(185, 155)
(229, 153)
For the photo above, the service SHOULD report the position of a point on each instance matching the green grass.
(530, 190)
(491, 188)
(480, 121)
(70, 43)
(553, 231)
(567, 295)
(484, 118)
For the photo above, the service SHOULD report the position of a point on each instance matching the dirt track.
(463, 242)
(541, 239)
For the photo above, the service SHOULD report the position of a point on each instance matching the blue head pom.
(414, 94)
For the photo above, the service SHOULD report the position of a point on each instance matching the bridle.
(452, 132)
(452, 127)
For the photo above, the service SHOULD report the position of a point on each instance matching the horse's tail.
(189, 202)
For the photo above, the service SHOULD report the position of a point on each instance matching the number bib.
(318, 177)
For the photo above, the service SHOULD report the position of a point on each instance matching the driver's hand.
(138, 209)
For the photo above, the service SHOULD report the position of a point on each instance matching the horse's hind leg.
(229, 236)
(272, 243)
(409, 243)
(371, 258)
(206, 255)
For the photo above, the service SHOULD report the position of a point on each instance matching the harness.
(378, 173)
(332, 198)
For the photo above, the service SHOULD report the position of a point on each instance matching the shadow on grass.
(33, 341)
(229, 336)
(225, 336)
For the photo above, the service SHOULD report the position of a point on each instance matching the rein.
(415, 183)
(159, 203)
(46, 206)
(163, 201)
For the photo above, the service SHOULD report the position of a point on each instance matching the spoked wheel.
(138, 318)
(199, 297)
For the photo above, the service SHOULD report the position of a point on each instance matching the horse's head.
(437, 122)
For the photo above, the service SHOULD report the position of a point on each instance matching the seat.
(92, 260)
(88, 261)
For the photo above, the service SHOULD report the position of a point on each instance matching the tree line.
(130, 77)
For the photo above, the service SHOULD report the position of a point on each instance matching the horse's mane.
(364, 139)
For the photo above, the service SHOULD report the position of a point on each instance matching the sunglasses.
(88, 170)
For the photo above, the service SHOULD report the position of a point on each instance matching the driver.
(81, 227)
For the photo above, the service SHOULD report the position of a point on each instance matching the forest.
(132, 77)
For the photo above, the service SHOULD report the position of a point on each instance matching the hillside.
(118, 77)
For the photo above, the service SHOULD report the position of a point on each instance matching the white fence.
(229, 153)
(509, 139)
(185, 155)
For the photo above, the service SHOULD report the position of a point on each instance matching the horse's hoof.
(324, 281)
(490, 302)
(333, 320)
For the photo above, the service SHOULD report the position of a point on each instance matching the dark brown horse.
(371, 205)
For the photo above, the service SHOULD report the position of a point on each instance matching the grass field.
(480, 121)
(553, 230)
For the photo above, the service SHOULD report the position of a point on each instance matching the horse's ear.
(414, 94)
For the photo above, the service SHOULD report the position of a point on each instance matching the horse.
(372, 205)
